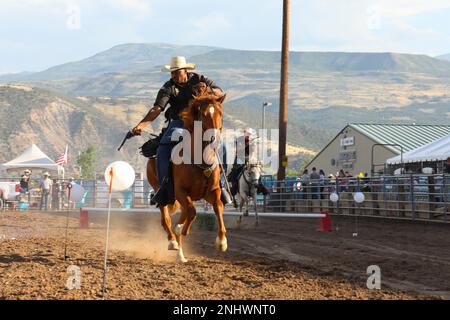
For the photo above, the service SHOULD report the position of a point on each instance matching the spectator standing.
(315, 183)
(447, 166)
(305, 180)
(46, 188)
(366, 183)
(343, 181)
(323, 182)
(24, 183)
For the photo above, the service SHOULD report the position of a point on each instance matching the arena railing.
(413, 196)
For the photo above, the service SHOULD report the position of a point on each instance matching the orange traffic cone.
(325, 222)
(84, 219)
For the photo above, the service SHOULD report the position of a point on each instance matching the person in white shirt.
(46, 188)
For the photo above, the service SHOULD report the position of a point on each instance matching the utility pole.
(282, 122)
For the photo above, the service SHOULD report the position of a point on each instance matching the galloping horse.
(192, 181)
(248, 183)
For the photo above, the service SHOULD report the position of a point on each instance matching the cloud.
(370, 25)
(141, 7)
(206, 27)
(404, 8)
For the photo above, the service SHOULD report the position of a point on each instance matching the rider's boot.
(161, 198)
(235, 204)
(225, 196)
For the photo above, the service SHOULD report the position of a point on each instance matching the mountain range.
(109, 92)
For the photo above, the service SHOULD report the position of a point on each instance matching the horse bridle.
(249, 183)
(208, 169)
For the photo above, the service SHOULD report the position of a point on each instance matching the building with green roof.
(359, 145)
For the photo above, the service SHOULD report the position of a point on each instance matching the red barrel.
(84, 219)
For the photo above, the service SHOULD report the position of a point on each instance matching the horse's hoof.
(221, 245)
(173, 245)
(180, 256)
(178, 229)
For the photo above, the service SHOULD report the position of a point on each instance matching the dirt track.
(280, 259)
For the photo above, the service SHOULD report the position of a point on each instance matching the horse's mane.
(197, 105)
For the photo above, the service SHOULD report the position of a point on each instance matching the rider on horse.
(176, 92)
(244, 155)
(239, 162)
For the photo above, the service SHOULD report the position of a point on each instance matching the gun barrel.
(128, 136)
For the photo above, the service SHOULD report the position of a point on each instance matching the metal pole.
(282, 122)
(69, 188)
(105, 262)
(263, 115)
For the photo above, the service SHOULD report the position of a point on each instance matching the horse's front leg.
(188, 214)
(221, 240)
(178, 233)
(166, 223)
(255, 206)
(246, 206)
(241, 205)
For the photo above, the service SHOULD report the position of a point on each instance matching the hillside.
(444, 57)
(52, 120)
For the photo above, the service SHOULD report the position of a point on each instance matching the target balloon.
(76, 192)
(334, 197)
(358, 197)
(123, 175)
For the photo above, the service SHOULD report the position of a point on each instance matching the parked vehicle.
(9, 191)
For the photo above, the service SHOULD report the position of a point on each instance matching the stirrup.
(225, 196)
(161, 198)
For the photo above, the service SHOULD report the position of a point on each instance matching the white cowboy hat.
(46, 174)
(177, 63)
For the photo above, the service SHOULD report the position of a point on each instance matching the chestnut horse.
(193, 182)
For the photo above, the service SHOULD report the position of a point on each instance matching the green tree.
(87, 161)
(290, 172)
(306, 160)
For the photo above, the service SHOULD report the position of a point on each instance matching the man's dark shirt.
(447, 167)
(178, 96)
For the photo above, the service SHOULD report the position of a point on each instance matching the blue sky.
(37, 34)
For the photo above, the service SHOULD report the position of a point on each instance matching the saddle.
(150, 148)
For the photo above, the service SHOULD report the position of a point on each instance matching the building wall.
(355, 157)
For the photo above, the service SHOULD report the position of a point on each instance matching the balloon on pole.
(75, 192)
(119, 176)
(358, 197)
(334, 197)
(124, 175)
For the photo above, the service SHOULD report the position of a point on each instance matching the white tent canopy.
(438, 150)
(32, 158)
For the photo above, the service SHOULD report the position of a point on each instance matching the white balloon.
(76, 192)
(358, 197)
(123, 175)
(334, 197)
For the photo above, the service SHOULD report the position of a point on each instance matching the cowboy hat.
(177, 63)
(46, 174)
(27, 171)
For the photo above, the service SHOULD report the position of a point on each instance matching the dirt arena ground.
(282, 258)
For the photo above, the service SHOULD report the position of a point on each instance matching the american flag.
(63, 158)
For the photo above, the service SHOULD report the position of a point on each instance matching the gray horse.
(248, 182)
